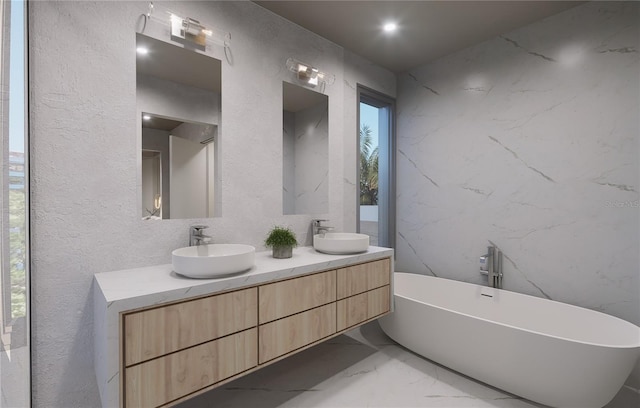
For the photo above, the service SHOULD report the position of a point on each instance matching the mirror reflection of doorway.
(151, 184)
(189, 178)
(178, 168)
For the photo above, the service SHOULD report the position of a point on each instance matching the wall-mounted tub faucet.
(491, 265)
(318, 228)
(196, 237)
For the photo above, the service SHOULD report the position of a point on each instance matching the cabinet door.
(285, 335)
(359, 308)
(361, 278)
(153, 333)
(165, 379)
(281, 299)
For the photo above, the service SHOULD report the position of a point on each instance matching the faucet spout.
(318, 228)
(491, 265)
(196, 237)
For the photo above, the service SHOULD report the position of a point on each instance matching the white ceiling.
(427, 29)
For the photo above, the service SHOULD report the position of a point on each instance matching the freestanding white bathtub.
(546, 351)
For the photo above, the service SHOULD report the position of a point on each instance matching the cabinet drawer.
(285, 335)
(292, 296)
(361, 278)
(157, 382)
(153, 333)
(359, 308)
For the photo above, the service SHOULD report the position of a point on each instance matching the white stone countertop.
(159, 284)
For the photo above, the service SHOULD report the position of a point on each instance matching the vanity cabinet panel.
(281, 299)
(168, 353)
(360, 308)
(363, 277)
(153, 333)
(286, 335)
(165, 379)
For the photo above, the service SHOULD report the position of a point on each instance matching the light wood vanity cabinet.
(291, 333)
(360, 308)
(155, 332)
(165, 379)
(295, 313)
(363, 277)
(171, 353)
(363, 291)
(284, 298)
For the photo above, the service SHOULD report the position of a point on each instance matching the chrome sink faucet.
(491, 265)
(318, 228)
(196, 237)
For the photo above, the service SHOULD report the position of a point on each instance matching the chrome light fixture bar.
(308, 74)
(186, 29)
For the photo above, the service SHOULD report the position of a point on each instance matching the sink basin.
(214, 260)
(340, 243)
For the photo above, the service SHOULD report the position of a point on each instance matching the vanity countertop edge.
(148, 286)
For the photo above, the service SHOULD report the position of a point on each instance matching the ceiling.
(427, 30)
(159, 122)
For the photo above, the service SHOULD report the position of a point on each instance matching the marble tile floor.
(364, 368)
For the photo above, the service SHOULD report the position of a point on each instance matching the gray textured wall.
(85, 157)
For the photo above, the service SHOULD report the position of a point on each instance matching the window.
(376, 174)
(14, 257)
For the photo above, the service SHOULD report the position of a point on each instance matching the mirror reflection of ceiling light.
(307, 74)
(146, 117)
(142, 50)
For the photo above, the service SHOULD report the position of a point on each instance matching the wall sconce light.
(309, 75)
(188, 29)
(185, 30)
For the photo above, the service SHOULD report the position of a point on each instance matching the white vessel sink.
(214, 260)
(341, 243)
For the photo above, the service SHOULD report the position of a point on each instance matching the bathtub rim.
(626, 346)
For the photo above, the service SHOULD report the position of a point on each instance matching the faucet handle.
(318, 222)
(484, 265)
(198, 228)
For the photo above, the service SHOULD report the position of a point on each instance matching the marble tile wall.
(305, 155)
(529, 141)
(288, 162)
(311, 160)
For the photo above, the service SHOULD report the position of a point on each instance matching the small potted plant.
(281, 240)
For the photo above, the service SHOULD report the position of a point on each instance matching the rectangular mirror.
(305, 150)
(178, 95)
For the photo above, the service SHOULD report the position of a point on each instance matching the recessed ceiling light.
(142, 50)
(389, 27)
(146, 117)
